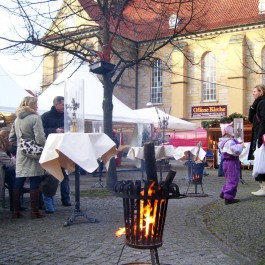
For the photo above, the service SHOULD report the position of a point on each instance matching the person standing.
(230, 149)
(256, 116)
(53, 122)
(29, 125)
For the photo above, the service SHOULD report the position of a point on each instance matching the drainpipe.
(136, 77)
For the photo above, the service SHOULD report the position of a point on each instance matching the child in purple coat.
(230, 151)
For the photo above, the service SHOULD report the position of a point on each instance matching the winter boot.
(16, 204)
(34, 201)
(10, 199)
(261, 191)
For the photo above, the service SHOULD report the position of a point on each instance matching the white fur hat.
(227, 128)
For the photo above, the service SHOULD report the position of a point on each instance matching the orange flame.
(196, 177)
(148, 215)
(120, 232)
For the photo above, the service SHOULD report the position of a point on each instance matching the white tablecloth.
(83, 149)
(180, 152)
(161, 152)
(166, 151)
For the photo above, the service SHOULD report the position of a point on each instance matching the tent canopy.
(11, 93)
(93, 96)
(157, 115)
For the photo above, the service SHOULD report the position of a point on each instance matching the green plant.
(226, 119)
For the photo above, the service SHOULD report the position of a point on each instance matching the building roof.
(147, 20)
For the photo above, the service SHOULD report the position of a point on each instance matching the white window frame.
(209, 77)
(156, 82)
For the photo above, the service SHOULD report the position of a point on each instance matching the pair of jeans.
(220, 169)
(65, 188)
(33, 181)
(48, 203)
(10, 177)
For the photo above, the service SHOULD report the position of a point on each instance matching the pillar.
(179, 82)
(236, 74)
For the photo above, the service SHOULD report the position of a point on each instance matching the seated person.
(8, 163)
(12, 149)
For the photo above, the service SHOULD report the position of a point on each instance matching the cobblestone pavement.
(226, 239)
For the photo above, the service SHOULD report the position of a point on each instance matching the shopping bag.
(48, 184)
(259, 161)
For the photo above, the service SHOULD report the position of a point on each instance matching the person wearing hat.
(230, 151)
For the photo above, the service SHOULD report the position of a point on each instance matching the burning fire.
(196, 177)
(148, 215)
(120, 232)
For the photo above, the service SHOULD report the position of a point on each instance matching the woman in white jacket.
(29, 123)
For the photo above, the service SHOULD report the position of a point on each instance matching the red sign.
(209, 111)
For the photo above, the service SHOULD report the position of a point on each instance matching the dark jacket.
(257, 117)
(52, 120)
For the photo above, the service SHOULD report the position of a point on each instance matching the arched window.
(263, 65)
(209, 77)
(156, 82)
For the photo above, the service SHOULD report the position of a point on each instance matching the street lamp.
(100, 66)
(163, 123)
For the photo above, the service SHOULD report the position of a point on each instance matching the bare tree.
(126, 33)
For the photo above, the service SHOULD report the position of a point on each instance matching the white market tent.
(11, 94)
(93, 96)
(174, 123)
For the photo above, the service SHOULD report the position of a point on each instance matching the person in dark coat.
(257, 117)
(53, 122)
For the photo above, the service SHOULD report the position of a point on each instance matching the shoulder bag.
(29, 147)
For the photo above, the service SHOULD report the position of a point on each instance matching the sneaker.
(260, 192)
(231, 201)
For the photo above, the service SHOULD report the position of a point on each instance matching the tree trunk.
(107, 119)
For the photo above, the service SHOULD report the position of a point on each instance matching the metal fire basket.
(138, 232)
(195, 175)
(145, 208)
